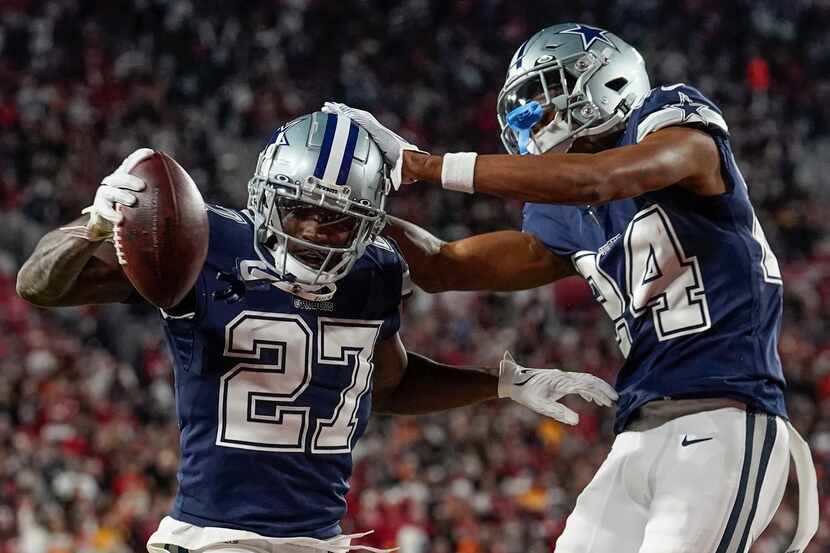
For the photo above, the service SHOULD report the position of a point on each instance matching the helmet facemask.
(306, 263)
(316, 235)
(556, 87)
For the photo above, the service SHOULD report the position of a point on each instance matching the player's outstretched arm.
(672, 156)
(500, 261)
(406, 383)
(76, 265)
(68, 269)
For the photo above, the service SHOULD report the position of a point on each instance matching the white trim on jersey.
(227, 213)
(406, 284)
(769, 263)
(406, 280)
(383, 244)
(166, 315)
(670, 115)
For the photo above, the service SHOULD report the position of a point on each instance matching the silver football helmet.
(576, 80)
(320, 160)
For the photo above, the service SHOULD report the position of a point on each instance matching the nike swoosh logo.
(529, 378)
(686, 441)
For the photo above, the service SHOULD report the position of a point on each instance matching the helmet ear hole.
(617, 84)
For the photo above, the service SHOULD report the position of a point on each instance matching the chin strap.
(257, 273)
(556, 136)
(323, 293)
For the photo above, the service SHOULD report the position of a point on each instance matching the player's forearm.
(54, 267)
(502, 261)
(438, 266)
(422, 252)
(555, 178)
(428, 386)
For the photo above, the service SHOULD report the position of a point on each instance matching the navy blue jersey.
(691, 285)
(273, 390)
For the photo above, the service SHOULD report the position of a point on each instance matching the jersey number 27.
(256, 409)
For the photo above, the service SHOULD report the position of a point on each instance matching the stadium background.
(88, 441)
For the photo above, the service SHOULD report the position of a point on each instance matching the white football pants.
(175, 536)
(248, 546)
(708, 482)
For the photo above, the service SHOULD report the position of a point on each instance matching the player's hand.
(541, 389)
(392, 145)
(114, 190)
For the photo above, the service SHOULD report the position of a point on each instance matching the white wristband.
(457, 171)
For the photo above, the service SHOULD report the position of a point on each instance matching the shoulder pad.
(230, 214)
(558, 227)
(384, 253)
(231, 230)
(677, 104)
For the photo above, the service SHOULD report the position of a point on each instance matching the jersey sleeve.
(406, 280)
(555, 226)
(182, 323)
(675, 105)
(227, 229)
(391, 324)
(394, 273)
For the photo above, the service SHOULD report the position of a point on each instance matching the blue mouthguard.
(521, 120)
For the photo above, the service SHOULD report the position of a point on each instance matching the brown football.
(162, 242)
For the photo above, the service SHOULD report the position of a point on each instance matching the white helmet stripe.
(338, 150)
(325, 147)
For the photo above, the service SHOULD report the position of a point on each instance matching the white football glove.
(541, 389)
(103, 213)
(392, 145)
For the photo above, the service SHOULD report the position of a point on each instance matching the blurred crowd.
(88, 439)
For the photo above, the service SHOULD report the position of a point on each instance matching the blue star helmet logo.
(589, 35)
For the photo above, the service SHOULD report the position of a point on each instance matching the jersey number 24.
(660, 278)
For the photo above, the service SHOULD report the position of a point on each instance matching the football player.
(287, 341)
(636, 189)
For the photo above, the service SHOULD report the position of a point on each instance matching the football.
(162, 242)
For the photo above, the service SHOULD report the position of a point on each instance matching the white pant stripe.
(707, 482)
(770, 432)
(761, 431)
